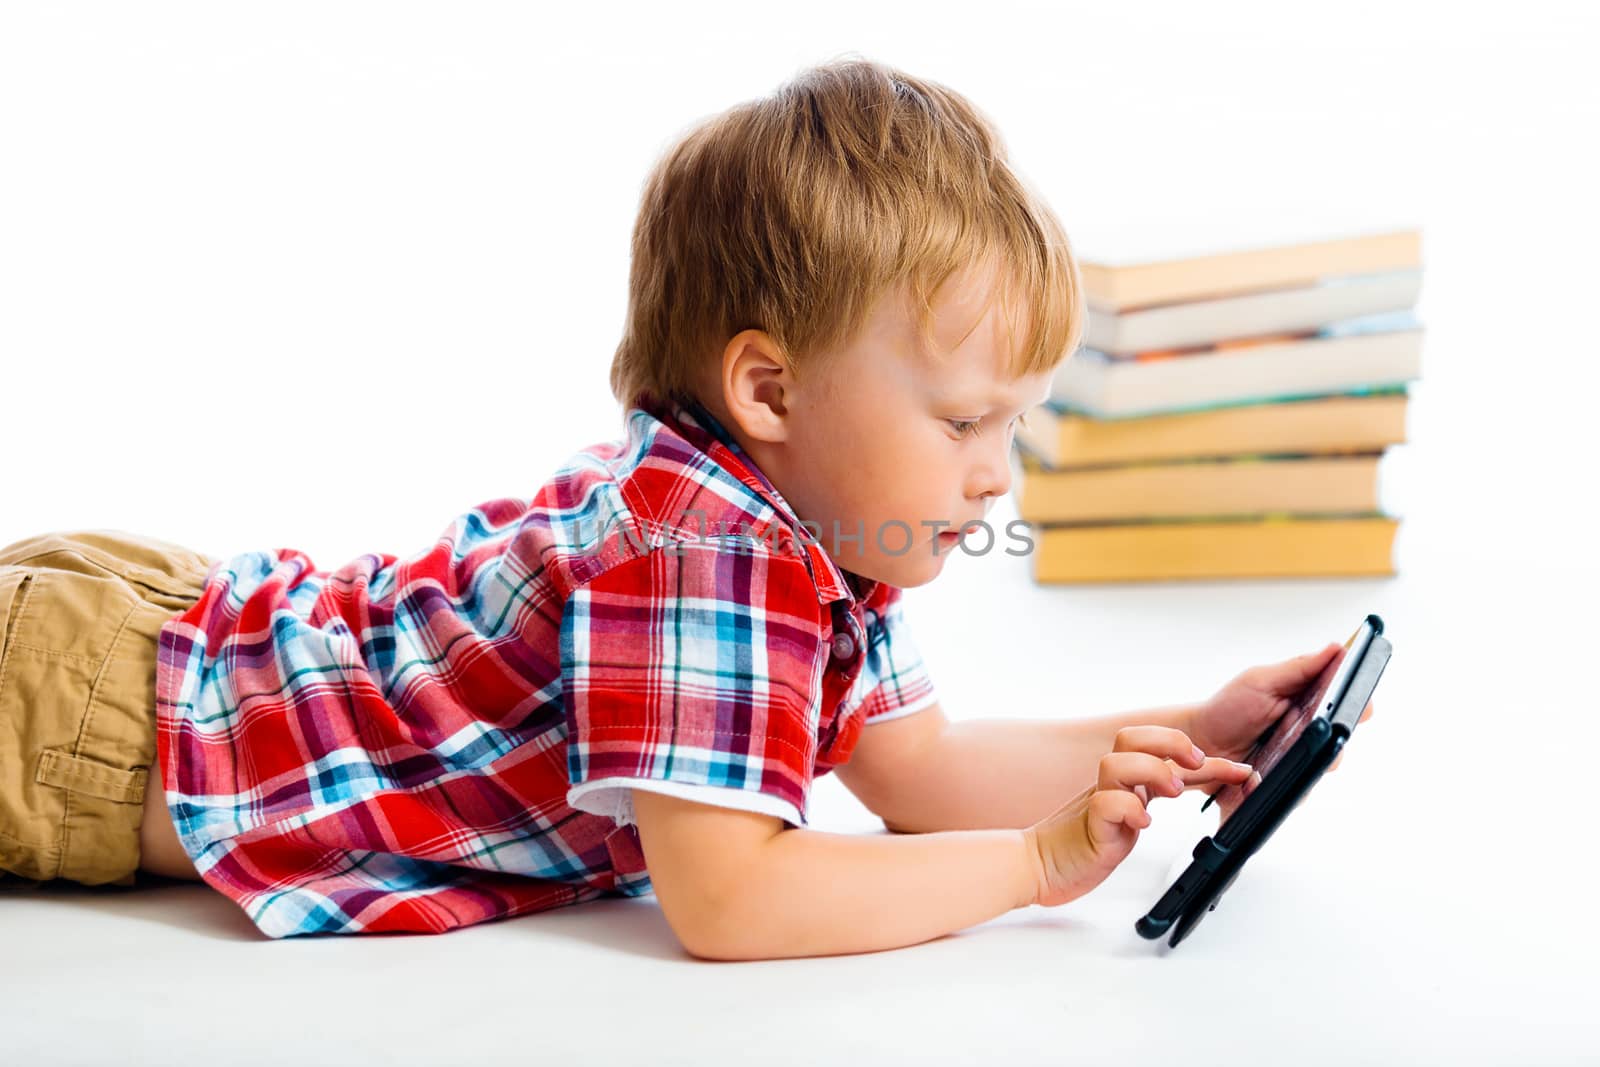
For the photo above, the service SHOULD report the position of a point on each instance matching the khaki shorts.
(79, 616)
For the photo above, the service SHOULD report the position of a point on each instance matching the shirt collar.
(699, 427)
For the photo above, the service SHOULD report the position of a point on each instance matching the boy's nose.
(991, 480)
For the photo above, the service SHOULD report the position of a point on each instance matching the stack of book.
(1226, 415)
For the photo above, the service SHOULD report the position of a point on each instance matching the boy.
(841, 301)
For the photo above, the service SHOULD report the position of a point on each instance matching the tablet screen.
(1288, 729)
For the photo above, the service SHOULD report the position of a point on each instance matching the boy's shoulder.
(674, 483)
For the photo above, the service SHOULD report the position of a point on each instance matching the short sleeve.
(693, 670)
(894, 678)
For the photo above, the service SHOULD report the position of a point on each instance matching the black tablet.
(1293, 755)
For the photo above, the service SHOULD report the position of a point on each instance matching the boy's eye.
(965, 426)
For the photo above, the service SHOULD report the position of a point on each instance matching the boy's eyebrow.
(990, 406)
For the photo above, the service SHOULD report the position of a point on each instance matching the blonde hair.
(794, 213)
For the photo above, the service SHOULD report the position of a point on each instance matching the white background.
(324, 276)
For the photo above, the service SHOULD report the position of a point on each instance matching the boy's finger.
(1215, 769)
(1130, 770)
(1292, 674)
(1165, 741)
(1366, 713)
(1109, 811)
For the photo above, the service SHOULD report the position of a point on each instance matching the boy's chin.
(916, 567)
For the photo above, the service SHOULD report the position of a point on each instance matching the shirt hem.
(612, 797)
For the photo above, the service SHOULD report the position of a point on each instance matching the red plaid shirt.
(425, 743)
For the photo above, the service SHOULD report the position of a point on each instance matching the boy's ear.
(756, 385)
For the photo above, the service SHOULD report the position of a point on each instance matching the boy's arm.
(935, 775)
(1013, 772)
(735, 885)
(882, 770)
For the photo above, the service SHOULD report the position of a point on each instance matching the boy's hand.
(1229, 722)
(1082, 842)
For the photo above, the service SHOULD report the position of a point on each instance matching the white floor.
(1430, 902)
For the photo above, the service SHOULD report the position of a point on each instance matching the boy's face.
(883, 435)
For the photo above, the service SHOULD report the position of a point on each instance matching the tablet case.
(1218, 860)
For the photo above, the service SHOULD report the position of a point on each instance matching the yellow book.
(1338, 423)
(1237, 486)
(1263, 547)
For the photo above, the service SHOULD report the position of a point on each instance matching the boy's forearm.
(812, 893)
(1010, 773)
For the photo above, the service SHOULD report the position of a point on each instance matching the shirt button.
(843, 645)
